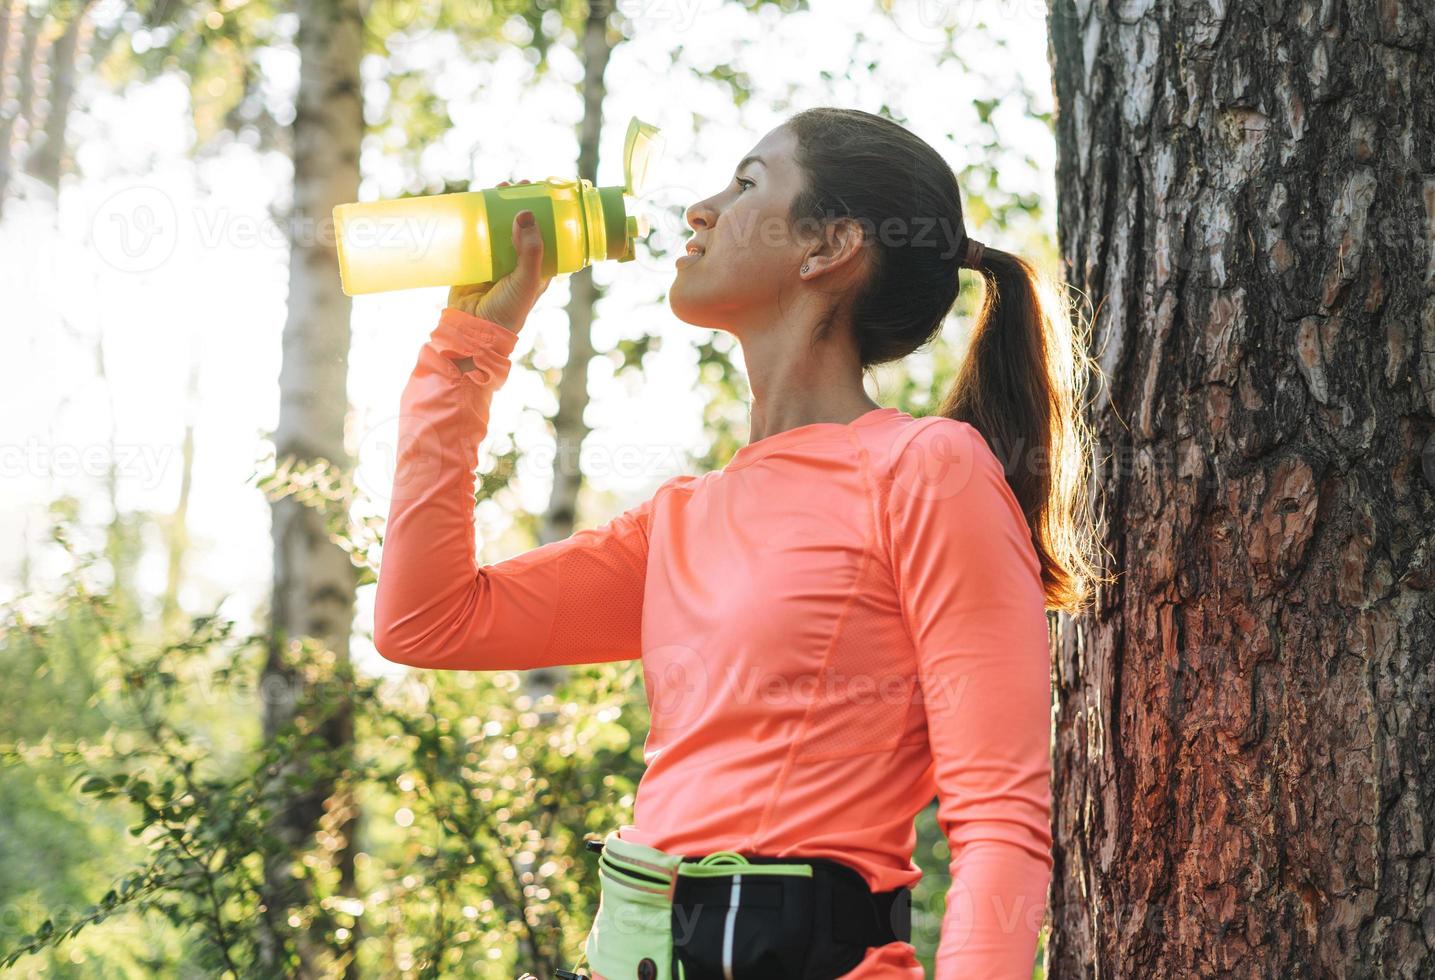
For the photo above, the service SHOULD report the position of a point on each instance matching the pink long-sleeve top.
(844, 622)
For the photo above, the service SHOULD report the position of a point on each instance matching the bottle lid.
(641, 149)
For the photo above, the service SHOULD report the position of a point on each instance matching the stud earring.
(804, 268)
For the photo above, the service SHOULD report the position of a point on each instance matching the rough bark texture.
(314, 580)
(1245, 760)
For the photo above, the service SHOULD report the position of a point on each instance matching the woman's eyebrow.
(753, 158)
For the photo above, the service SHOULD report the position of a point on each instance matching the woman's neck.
(796, 384)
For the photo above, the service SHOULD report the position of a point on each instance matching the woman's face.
(749, 251)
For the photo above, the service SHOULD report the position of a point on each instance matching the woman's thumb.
(529, 246)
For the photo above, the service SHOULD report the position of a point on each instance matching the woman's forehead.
(771, 150)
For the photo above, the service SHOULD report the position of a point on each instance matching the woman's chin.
(684, 306)
(700, 302)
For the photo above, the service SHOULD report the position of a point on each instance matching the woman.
(849, 618)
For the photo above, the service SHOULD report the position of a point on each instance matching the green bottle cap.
(642, 147)
(620, 228)
(615, 224)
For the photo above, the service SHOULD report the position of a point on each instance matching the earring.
(804, 268)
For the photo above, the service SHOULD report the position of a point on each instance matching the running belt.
(730, 916)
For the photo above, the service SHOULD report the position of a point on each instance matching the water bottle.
(455, 239)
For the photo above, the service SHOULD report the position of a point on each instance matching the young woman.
(850, 617)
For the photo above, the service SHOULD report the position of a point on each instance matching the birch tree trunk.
(21, 117)
(48, 151)
(1245, 761)
(314, 580)
(5, 18)
(569, 427)
(176, 524)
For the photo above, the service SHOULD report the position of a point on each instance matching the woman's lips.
(688, 259)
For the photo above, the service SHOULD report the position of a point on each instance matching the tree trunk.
(22, 116)
(5, 6)
(314, 580)
(176, 524)
(48, 152)
(569, 427)
(1245, 760)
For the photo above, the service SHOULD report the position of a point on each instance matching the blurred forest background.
(199, 778)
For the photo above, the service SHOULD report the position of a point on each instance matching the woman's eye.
(742, 181)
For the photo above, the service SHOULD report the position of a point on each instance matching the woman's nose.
(700, 216)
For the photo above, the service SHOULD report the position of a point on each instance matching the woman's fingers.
(523, 285)
(467, 290)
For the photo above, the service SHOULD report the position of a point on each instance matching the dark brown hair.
(1021, 381)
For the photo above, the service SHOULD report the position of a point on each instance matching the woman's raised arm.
(578, 600)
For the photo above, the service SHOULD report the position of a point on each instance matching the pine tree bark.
(314, 579)
(1245, 761)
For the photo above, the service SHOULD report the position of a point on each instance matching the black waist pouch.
(750, 917)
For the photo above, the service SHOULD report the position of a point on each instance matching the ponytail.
(1022, 382)
(1020, 386)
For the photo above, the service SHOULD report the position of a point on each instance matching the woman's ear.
(841, 250)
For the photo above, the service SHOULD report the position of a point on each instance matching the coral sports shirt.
(840, 625)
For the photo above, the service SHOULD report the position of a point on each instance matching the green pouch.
(635, 910)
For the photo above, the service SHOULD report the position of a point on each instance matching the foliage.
(471, 859)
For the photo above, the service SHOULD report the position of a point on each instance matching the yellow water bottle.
(450, 239)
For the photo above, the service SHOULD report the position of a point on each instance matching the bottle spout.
(642, 148)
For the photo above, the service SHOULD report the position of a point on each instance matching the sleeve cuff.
(460, 334)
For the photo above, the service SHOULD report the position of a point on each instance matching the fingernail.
(525, 219)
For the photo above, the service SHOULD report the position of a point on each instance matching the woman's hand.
(508, 301)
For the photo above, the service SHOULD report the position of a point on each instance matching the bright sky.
(159, 262)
